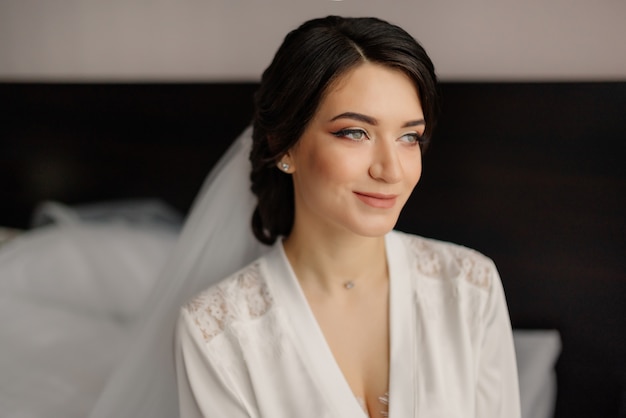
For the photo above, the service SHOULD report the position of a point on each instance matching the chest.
(357, 334)
(287, 374)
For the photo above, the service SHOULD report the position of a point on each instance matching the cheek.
(417, 173)
(413, 169)
(312, 174)
(319, 165)
(328, 166)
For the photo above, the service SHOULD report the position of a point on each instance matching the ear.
(285, 164)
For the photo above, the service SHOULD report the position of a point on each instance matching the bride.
(343, 318)
(326, 311)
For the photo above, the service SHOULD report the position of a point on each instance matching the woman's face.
(359, 158)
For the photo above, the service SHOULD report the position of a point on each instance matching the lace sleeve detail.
(445, 260)
(477, 269)
(241, 297)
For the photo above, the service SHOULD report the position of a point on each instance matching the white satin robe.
(250, 346)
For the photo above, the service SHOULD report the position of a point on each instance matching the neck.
(333, 262)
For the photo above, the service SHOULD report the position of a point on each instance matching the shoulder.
(448, 261)
(240, 297)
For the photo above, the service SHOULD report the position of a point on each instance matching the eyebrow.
(373, 121)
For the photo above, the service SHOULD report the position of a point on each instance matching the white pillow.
(537, 352)
(98, 268)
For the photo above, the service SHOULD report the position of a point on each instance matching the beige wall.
(235, 39)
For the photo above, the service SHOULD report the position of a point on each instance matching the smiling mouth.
(377, 200)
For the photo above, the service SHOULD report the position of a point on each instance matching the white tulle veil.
(216, 240)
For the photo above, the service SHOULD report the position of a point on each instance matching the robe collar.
(315, 351)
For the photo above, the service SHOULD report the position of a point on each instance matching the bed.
(97, 178)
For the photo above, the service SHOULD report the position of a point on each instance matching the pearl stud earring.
(284, 166)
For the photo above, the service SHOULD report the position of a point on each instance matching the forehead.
(374, 90)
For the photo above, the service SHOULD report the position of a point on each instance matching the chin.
(374, 229)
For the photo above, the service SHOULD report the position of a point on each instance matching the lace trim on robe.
(241, 297)
(474, 267)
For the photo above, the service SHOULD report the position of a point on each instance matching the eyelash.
(345, 133)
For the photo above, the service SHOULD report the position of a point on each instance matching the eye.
(412, 138)
(352, 133)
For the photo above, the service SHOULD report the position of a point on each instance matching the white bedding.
(70, 291)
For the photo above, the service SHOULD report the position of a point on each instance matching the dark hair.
(309, 60)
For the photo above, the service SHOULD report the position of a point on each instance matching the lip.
(377, 200)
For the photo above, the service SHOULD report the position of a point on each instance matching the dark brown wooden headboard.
(85, 142)
(532, 174)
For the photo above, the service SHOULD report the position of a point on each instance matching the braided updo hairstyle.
(310, 59)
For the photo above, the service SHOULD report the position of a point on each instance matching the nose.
(386, 165)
